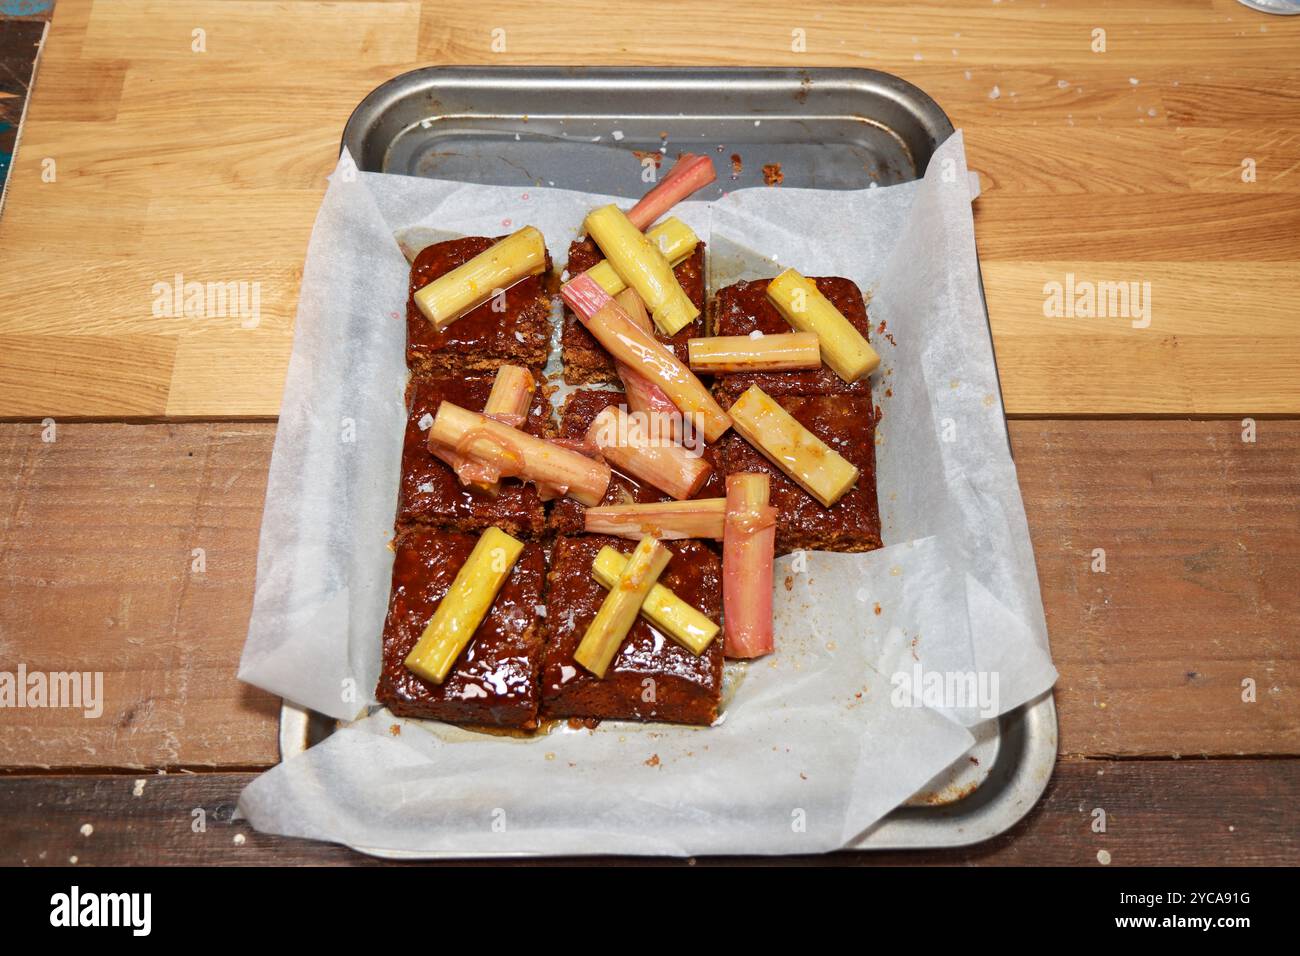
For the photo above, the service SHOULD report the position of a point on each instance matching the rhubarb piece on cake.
(579, 411)
(747, 552)
(500, 451)
(492, 681)
(745, 309)
(668, 520)
(641, 265)
(843, 347)
(690, 173)
(512, 327)
(642, 445)
(846, 424)
(632, 346)
(621, 608)
(585, 359)
(652, 676)
(780, 352)
(661, 608)
(431, 494)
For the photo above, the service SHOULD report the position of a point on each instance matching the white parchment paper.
(884, 661)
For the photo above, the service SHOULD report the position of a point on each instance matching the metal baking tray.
(593, 128)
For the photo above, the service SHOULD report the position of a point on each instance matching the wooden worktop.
(1117, 166)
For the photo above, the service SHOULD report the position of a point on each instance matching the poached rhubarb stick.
(666, 520)
(512, 393)
(491, 272)
(621, 606)
(748, 543)
(517, 454)
(691, 172)
(643, 395)
(639, 446)
(819, 469)
(804, 307)
(763, 353)
(642, 266)
(644, 354)
(686, 625)
(672, 237)
(465, 604)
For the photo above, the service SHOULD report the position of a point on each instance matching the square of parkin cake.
(744, 309)
(576, 415)
(585, 360)
(430, 494)
(516, 332)
(493, 682)
(847, 424)
(652, 677)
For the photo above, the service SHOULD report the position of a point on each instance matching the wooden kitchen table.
(131, 440)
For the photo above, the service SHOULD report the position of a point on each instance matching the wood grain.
(1194, 813)
(1202, 557)
(212, 164)
(100, 531)
(1192, 352)
(1200, 531)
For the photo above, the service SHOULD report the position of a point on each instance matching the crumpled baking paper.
(885, 660)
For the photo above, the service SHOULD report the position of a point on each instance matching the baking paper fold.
(818, 741)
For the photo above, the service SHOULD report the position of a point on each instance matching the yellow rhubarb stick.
(605, 634)
(666, 520)
(762, 353)
(642, 266)
(672, 237)
(804, 307)
(819, 469)
(685, 624)
(516, 454)
(465, 604)
(489, 273)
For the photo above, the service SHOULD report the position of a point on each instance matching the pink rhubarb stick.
(643, 395)
(690, 173)
(748, 543)
(633, 444)
(512, 393)
(644, 354)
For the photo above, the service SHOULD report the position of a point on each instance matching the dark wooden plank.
(98, 536)
(1173, 813)
(1200, 532)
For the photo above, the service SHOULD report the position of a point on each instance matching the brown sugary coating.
(483, 338)
(579, 411)
(744, 307)
(847, 424)
(494, 680)
(652, 677)
(430, 494)
(585, 360)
